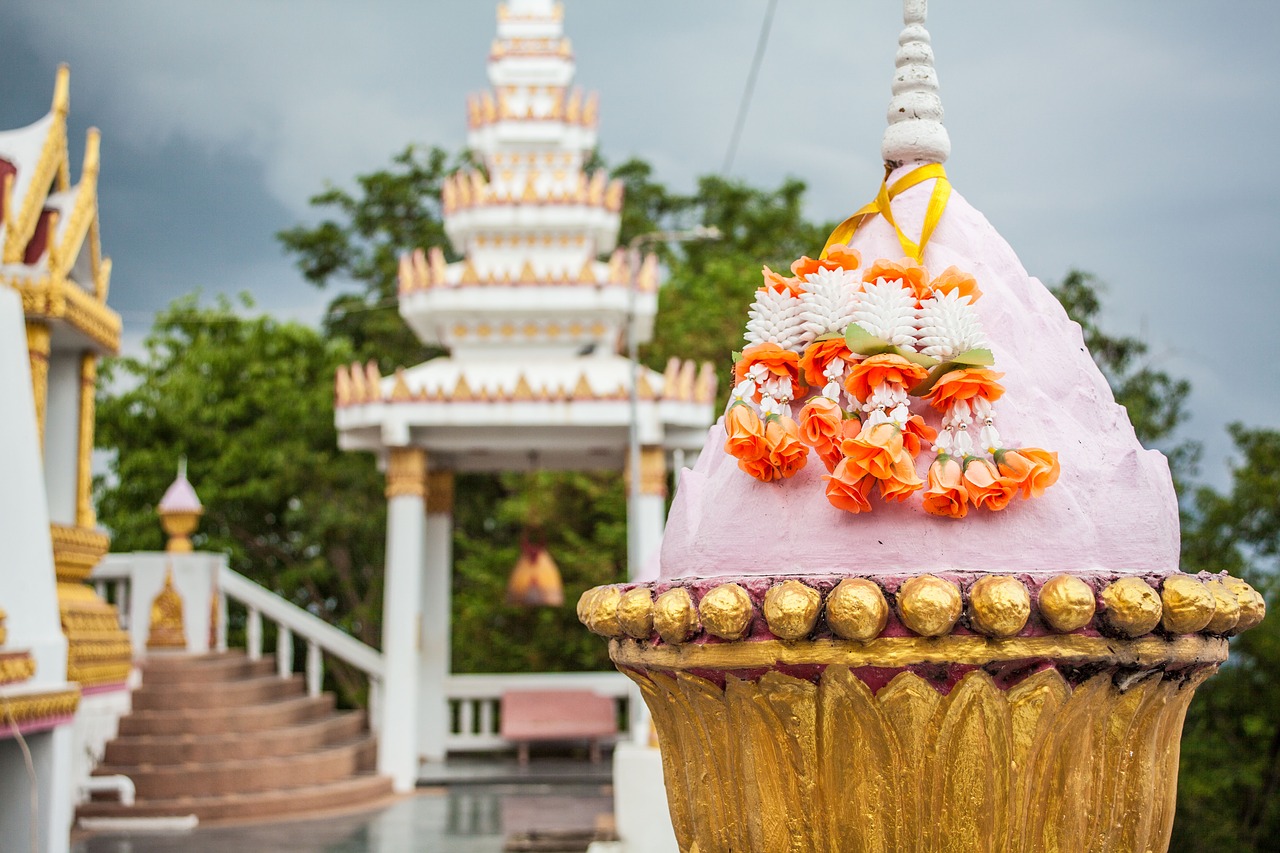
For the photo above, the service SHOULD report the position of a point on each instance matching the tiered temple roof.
(534, 321)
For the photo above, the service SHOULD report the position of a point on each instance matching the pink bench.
(546, 715)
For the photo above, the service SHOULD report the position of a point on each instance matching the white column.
(401, 596)
(646, 512)
(437, 578)
(646, 521)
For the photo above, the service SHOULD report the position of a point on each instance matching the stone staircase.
(223, 737)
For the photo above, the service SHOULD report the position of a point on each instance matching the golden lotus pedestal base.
(958, 743)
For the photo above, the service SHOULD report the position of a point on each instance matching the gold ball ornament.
(585, 601)
(929, 605)
(726, 611)
(1226, 608)
(1253, 607)
(604, 612)
(1131, 607)
(856, 610)
(1188, 606)
(1067, 603)
(791, 609)
(674, 616)
(999, 606)
(635, 613)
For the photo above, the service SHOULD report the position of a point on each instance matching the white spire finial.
(915, 133)
(182, 467)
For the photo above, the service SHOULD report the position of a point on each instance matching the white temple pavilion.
(534, 325)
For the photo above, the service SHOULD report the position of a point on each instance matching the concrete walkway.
(473, 818)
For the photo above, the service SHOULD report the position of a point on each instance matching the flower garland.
(852, 347)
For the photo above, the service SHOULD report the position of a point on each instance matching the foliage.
(1229, 784)
(248, 402)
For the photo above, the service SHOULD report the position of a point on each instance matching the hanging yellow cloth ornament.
(883, 206)
(535, 580)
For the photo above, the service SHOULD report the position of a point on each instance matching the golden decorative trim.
(895, 652)
(791, 609)
(85, 515)
(440, 486)
(53, 299)
(16, 667)
(4, 632)
(785, 764)
(997, 606)
(674, 616)
(98, 651)
(406, 472)
(653, 467)
(38, 347)
(635, 613)
(76, 550)
(37, 707)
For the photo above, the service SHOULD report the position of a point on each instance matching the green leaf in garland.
(915, 357)
(862, 342)
(975, 358)
(737, 356)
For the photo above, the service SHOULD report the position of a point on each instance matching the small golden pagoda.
(52, 255)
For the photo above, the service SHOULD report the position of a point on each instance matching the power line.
(765, 27)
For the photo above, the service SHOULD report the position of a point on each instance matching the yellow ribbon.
(883, 206)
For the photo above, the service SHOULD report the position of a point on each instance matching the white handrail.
(311, 628)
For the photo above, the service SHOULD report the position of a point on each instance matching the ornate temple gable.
(52, 252)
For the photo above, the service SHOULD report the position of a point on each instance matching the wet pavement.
(476, 818)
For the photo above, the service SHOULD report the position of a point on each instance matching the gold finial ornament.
(1188, 606)
(180, 510)
(1067, 603)
(856, 609)
(603, 619)
(1226, 608)
(929, 605)
(726, 611)
(791, 609)
(674, 616)
(1253, 607)
(1131, 606)
(167, 628)
(635, 613)
(586, 602)
(999, 606)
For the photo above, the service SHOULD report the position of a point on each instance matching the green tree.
(1229, 782)
(248, 401)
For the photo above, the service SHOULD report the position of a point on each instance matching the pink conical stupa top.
(1114, 506)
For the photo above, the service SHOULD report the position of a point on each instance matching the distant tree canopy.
(248, 400)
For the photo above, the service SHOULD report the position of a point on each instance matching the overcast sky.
(1133, 140)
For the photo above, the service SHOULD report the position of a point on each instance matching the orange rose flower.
(916, 433)
(787, 453)
(1032, 469)
(780, 283)
(762, 469)
(808, 266)
(874, 450)
(985, 486)
(902, 480)
(966, 384)
(847, 258)
(820, 422)
(946, 495)
(745, 433)
(848, 488)
(818, 355)
(911, 274)
(778, 361)
(831, 456)
(885, 368)
(953, 278)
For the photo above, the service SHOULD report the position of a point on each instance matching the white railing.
(291, 621)
(474, 701)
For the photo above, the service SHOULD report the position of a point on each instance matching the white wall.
(62, 435)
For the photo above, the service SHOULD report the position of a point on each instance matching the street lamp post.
(698, 233)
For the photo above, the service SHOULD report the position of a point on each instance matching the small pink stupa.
(921, 590)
